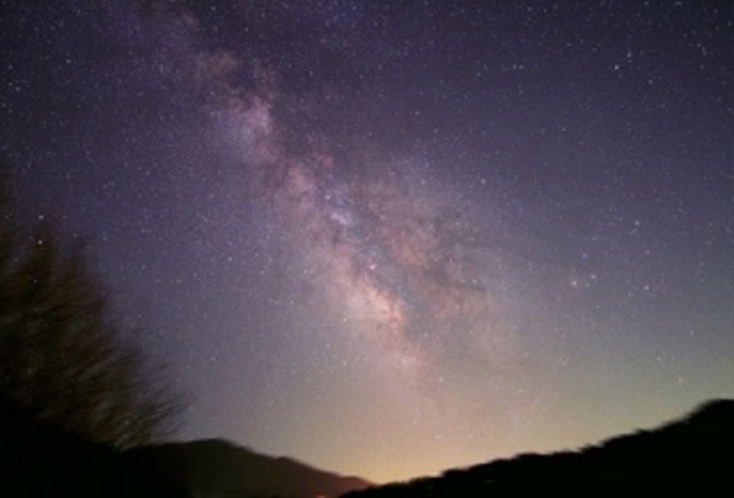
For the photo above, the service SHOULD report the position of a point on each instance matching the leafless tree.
(64, 359)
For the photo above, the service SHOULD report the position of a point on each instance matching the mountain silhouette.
(217, 468)
(689, 455)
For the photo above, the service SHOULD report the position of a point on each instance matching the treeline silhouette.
(690, 455)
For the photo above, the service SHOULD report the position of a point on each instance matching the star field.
(389, 238)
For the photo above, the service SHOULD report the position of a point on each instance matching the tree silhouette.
(64, 360)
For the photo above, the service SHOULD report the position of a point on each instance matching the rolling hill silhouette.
(217, 468)
(687, 455)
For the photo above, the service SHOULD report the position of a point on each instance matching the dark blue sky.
(389, 238)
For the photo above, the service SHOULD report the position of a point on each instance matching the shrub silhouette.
(64, 360)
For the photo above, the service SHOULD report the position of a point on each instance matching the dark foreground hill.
(216, 468)
(40, 461)
(692, 456)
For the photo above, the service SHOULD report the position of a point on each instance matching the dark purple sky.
(389, 238)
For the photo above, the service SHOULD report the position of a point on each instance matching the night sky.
(389, 238)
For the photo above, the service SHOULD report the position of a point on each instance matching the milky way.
(389, 238)
(393, 252)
